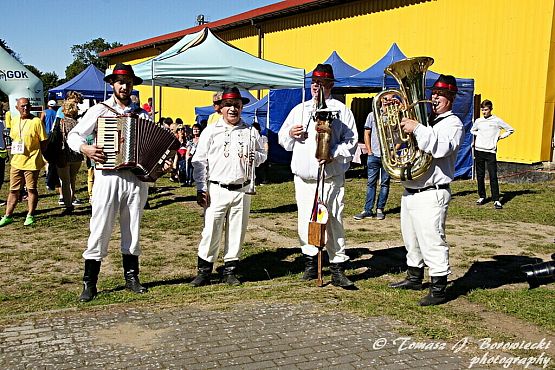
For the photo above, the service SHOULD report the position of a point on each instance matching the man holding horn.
(298, 134)
(220, 172)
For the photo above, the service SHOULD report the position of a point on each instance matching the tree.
(86, 54)
(5, 46)
(49, 80)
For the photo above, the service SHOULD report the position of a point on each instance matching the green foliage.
(86, 54)
(4, 45)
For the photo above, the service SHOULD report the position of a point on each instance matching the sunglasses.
(230, 104)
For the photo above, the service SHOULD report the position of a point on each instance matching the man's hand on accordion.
(94, 152)
(203, 199)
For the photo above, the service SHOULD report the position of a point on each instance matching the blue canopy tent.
(89, 82)
(204, 112)
(341, 70)
(374, 75)
(374, 79)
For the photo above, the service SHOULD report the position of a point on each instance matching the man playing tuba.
(425, 200)
(298, 134)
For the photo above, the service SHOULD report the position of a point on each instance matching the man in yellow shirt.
(217, 104)
(28, 142)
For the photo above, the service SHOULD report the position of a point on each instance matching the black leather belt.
(437, 187)
(231, 186)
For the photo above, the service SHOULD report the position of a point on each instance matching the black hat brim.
(111, 77)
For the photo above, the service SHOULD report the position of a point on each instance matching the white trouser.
(334, 191)
(229, 209)
(423, 227)
(116, 192)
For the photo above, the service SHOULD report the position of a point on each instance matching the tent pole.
(302, 100)
(153, 91)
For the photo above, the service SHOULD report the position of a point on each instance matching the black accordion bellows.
(134, 143)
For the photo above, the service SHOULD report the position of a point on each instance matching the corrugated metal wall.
(506, 46)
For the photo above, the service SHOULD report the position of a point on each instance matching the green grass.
(41, 266)
(534, 305)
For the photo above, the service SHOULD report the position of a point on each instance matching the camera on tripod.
(540, 273)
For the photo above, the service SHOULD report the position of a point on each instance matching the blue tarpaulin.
(90, 83)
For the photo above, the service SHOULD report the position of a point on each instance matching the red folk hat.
(123, 70)
(233, 93)
(324, 71)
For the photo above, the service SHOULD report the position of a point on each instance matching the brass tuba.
(401, 157)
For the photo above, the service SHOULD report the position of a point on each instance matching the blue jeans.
(375, 168)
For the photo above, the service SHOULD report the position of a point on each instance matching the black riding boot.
(131, 274)
(90, 277)
(229, 277)
(338, 277)
(437, 291)
(204, 271)
(413, 281)
(310, 267)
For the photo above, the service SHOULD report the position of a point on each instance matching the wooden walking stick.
(317, 224)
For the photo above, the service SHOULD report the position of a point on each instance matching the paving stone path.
(273, 336)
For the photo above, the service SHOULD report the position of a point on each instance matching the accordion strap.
(136, 111)
(110, 108)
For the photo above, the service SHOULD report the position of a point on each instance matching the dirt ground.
(482, 255)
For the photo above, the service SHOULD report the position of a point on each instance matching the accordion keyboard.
(108, 137)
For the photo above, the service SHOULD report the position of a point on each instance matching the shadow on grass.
(503, 270)
(286, 208)
(382, 262)
(507, 196)
(167, 201)
(463, 193)
(269, 265)
(152, 284)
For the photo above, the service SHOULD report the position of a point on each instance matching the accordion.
(134, 143)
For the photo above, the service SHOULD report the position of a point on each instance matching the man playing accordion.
(114, 192)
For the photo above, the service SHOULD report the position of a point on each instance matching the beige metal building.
(506, 46)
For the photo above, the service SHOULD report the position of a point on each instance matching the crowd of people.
(219, 156)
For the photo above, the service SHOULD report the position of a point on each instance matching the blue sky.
(42, 32)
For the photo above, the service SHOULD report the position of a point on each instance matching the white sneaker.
(77, 202)
(497, 205)
(481, 201)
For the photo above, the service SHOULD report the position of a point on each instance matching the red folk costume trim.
(444, 85)
(121, 72)
(322, 74)
(231, 95)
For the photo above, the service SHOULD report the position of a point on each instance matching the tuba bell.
(401, 157)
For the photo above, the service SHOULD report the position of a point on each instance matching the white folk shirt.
(442, 141)
(87, 124)
(344, 140)
(222, 154)
(488, 132)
